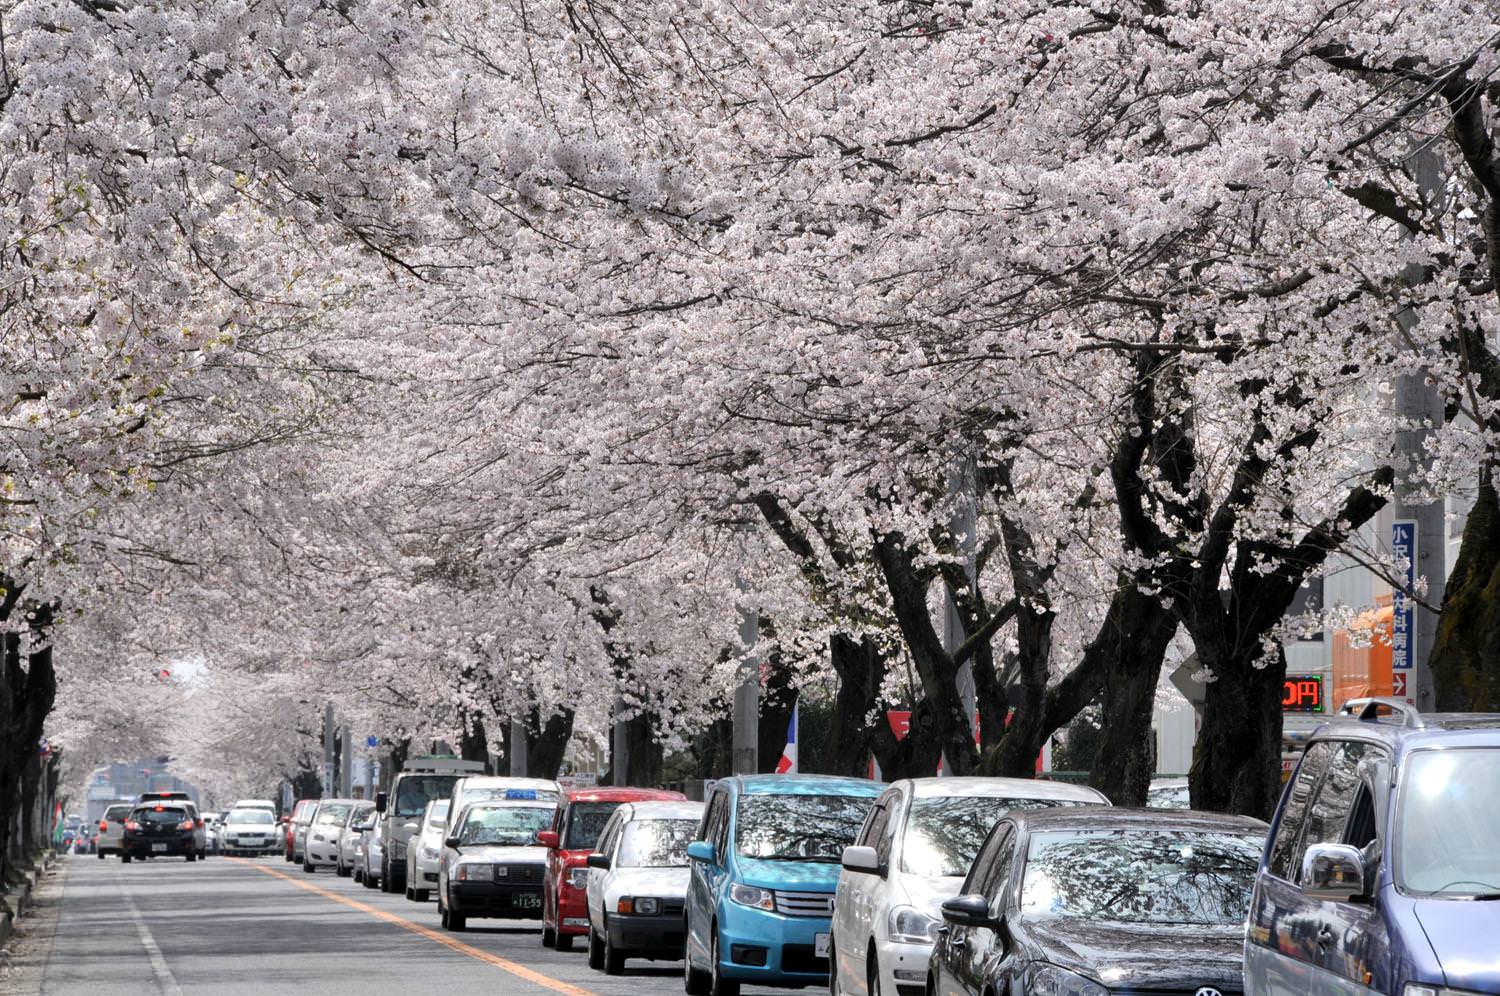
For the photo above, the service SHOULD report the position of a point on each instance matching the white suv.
(912, 854)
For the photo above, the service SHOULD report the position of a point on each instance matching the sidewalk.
(24, 952)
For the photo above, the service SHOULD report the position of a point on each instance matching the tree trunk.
(778, 699)
(473, 745)
(860, 667)
(1237, 757)
(1465, 658)
(643, 758)
(26, 697)
(546, 742)
(1137, 632)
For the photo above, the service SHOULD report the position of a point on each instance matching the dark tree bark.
(473, 745)
(28, 686)
(1237, 757)
(778, 699)
(1465, 659)
(547, 741)
(859, 715)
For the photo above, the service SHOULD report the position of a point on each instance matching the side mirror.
(1333, 873)
(598, 861)
(702, 850)
(863, 860)
(381, 798)
(451, 842)
(969, 911)
(548, 839)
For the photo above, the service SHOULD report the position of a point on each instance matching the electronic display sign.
(1302, 693)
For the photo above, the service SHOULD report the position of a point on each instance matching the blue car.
(765, 865)
(1382, 870)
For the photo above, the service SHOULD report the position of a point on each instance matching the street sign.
(1398, 684)
(1302, 693)
(372, 741)
(1403, 610)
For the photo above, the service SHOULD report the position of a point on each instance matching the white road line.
(164, 977)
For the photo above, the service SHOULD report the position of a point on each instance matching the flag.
(788, 763)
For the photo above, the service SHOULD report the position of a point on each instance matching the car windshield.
(943, 833)
(656, 843)
(116, 812)
(1167, 797)
(362, 818)
(158, 817)
(515, 826)
(250, 816)
(1448, 823)
(799, 827)
(332, 815)
(1196, 877)
(585, 823)
(414, 792)
(437, 816)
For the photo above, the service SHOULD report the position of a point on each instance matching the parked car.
(912, 853)
(212, 823)
(421, 780)
(368, 854)
(1090, 901)
(320, 847)
(569, 841)
(1382, 873)
(350, 848)
(764, 867)
(170, 828)
(637, 885)
(249, 831)
(491, 865)
(265, 804)
(425, 850)
(112, 828)
(165, 795)
(1168, 793)
(295, 825)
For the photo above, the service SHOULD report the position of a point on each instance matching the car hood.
(1140, 956)
(664, 883)
(798, 876)
(1462, 933)
(249, 828)
(924, 893)
(503, 853)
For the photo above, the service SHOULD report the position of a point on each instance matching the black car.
(1082, 902)
(160, 830)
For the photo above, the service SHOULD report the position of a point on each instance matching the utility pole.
(346, 783)
(330, 732)
(964, 526)
(1419, 530)
(517, 749)
(747, 696)
(619, 761)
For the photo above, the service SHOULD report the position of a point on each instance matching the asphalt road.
(234, 925)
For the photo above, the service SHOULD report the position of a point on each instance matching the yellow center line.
(518, 970)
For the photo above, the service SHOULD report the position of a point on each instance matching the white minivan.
(912, 854)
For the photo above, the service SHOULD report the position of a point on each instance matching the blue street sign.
(1403, 612)
(372, 741)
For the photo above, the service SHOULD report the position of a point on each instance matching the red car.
(575, 830)
(302, 814)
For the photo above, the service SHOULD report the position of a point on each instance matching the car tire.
(343, 872)
(596, 951)
(549, 936)
(614, 959)
(718, 985)
(455, 922)
(309, 867)
(421, 895)
(124, 858)
(191, 856)
(872, 971)
(695, 981)
(564, 942)
(101, 855)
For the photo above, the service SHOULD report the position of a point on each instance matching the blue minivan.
(765, 865)
(1382, 870)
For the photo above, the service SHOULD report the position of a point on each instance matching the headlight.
(429, 853)
(648, 906)
(578, 878)
(756, 899)
(909, 925)
(474, 873)
(1424, 989)
(1049, 980)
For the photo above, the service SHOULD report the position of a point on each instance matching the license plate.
(820, 945)
(526, 901)
(158, 847)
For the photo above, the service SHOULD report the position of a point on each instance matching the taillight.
(132, 825)
(186, 825)
(103, 826)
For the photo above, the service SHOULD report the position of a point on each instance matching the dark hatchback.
(1089, 902)
(160, 830)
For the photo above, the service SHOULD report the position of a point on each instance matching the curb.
(15, 902)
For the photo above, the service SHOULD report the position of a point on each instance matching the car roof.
(666, 810)
(608, 793)
(804, 785)
(1112, 818)
(1406, 729)
(1004, 788)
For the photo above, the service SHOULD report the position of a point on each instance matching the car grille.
(801, 958)
(1226, 989)
(804, 903)
(519, 874)
(672, 906)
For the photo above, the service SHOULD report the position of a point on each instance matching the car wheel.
(191, 856)
(308, 866)
(385, 876)
(454, 921)
(549, 936)
(596, 950)
(421, 895)
(344, 872)
(872, 971)
(614, 959)
(695, 981)
(718, 985)
(564, 941)
(124, 858)
(101, 855)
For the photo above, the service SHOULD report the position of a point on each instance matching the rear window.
(585, 823)
(158, 817)
(116, 812)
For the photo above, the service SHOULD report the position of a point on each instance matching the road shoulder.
(23, 960)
